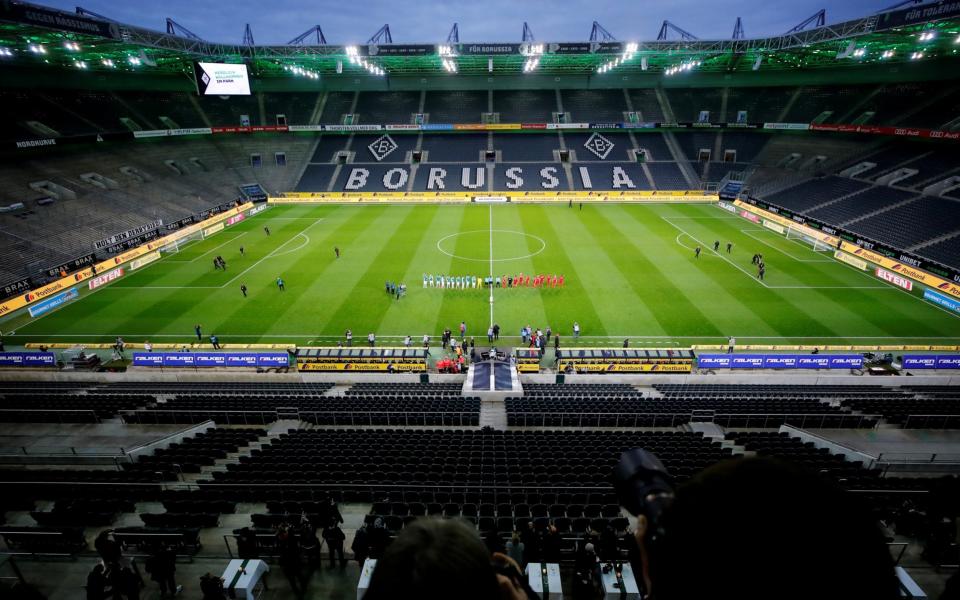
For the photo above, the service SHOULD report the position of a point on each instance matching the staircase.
(232, 458)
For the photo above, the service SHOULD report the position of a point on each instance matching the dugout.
(624, 360)
(377, 360)
(528, 360)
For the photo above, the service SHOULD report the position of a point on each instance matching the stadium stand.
(762, 104)
(360, 145)
(455, 106)
(655, 145)
(645, 102)
(624, 176)
(441, 147)
(814, 192)
(463, 458)
(387, 107)
(667, 176)
(945, 251)
(230, 110)
(622, 144)
(527, 147)
(297, 107)
(162, 111)
(874, 199)
(693, 143)
(687, 103)
(525, 106)
(594, 105)
(335, 106)
(920, 220)
(814, 102)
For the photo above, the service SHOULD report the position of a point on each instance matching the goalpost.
(814, 243)
(174, 246)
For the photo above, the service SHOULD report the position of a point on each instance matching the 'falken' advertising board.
(932, 361)
(210, 359)
(780, 361)
(28, 359)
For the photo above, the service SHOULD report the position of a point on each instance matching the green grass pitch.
(630, 273)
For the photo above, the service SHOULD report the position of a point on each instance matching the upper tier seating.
(455, 106)
(525, 106)
(687, 103)
(335, 106)
(387, 107)
(763, 104)
(599, 105)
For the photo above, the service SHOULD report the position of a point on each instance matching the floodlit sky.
(278, 21)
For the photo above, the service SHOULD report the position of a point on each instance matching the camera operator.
(433, 559)
(754, 529)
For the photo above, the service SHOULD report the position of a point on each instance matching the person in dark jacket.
(551, 545)
(379, 539)
(96, 584)
(360, 545)
(247, 546)
(211, 587)
(107, 548)
(290, 564)
(531, 543)
(162, 566)
(334, 538)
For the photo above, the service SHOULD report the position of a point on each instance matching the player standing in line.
(424, 280)
(696, 252)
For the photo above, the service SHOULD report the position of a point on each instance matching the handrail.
(944, 418)
(917, 458)
(184, 486)
(903, 548)
(59, 411)
(340, 417)
(630, 419)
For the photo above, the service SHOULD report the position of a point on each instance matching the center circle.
(476, 245)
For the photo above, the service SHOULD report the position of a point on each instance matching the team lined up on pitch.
(465, 282)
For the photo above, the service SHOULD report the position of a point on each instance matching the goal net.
(176, 245)
(814, 243)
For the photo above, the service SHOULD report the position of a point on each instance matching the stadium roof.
(33, 34)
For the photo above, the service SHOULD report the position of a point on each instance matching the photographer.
(754, 528)
(433, 559)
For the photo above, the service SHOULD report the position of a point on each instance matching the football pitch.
(629, 271)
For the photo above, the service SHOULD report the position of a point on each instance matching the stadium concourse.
(266, 310)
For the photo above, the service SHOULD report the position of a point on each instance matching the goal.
(176, 245)
(814, 243)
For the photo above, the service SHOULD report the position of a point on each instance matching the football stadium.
(622, 316)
